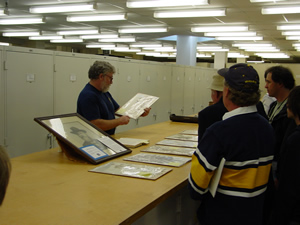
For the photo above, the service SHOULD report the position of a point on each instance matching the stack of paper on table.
(133, 142)
(183, 137)
(179, 143)
(134, 108)
(132, 170)
(190, 132)
(173, 150)
(159, 159)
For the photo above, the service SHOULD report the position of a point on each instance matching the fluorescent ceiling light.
(202, 55)
(164, 3)
(63, 8)
(4, 44)
(190, 13)
(272, 55)
(69, 40)
(77, 32)
(291, 33)
(255, 61)
(261, 50)
(296, 44)
(126, 50)
(289, 27)
(243, 45)
(20, 34)
(219, 28)
(146, 45)
(129, 39)
(2, 12)
(212, 49)
(281, 10)
(143, 30)
(99, 17)
(274, 1)
(100, 46)
(236, 55)
(208, 47)
(18, 21)
(239, 38)
(97, 36)
(292, 37)
(235, 34)
(45, 37)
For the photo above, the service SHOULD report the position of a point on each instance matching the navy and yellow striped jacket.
(246, 142)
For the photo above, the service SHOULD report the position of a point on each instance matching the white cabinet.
(29, 94)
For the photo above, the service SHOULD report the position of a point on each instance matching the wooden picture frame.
(83, 137)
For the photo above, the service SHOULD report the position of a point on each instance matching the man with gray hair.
(244, 142)
(96, 104)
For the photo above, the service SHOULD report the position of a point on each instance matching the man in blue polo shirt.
(245, 141)
(96, 104)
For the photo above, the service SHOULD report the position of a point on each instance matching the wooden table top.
(47, 188)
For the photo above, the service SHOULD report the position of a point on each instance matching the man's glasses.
(110, 77)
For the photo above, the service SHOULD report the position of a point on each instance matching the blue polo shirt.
(93, 104)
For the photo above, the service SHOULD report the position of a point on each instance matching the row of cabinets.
(37, 83)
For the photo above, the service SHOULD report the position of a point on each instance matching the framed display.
(82, 137)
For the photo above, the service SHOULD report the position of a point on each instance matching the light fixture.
(126, 49)
(77, 32)
(198, 55)
(63, 8)
(236, 55)
(281, 10)
(121, 39)
(261, 50)
(296, 44)
(211, 49)
(273, 55)
(143, 30)
(2, 12)
(100, 46)
(97, 17)
(164, 3)
(17, 21)
(190, 13)
(235, 34)
(289, 27)
(97, 36)
(255, 61)
(290, 33)
(274, 1)
(145, 45)
(239, 38)
(21, 34)
(219, 28)
(292, 37)
(45, 37)
(245, 45)
(67, 40)
(4, 44)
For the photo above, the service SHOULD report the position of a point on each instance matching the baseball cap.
(242, 77)
(217, 83)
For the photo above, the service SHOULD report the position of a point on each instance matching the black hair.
(282, 75)
(293, 102)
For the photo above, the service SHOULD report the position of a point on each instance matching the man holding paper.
(96, 104)
(241, 145)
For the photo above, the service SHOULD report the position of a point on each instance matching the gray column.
(186, 50)
(220, 60)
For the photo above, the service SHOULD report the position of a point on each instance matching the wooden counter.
(47, 188)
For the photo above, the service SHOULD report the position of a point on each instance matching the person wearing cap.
(244, 141)
(5, 171)
(215, 112)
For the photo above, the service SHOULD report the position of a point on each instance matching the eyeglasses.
(110, 77)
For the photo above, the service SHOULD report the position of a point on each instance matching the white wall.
(58, 77)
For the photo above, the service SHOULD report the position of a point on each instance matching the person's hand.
(146, 112)
(124, 120)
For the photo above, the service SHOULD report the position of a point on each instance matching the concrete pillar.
(186, 50)
(220, 60)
